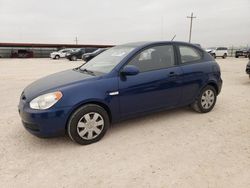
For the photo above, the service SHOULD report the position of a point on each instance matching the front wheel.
(224, 56)
(88, 124)
(74, 58)
(206, 100)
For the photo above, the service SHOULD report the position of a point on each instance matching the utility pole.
(76, 40)
(191, 25)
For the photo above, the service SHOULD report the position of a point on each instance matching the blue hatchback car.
(123, 82)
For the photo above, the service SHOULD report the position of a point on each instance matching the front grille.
(33, 127)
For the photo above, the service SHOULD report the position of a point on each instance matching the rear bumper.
(44, 123)
(219, 84)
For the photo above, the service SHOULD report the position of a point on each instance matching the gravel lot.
(176, 148)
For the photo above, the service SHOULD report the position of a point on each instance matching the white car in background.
(60, 54)
(218, 52)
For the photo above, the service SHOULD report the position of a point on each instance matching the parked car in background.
(218, 52)
(73, 56)
(22, 53)
(88, 56)
(242, 52)
(123, 82)
(248, 69)
(60, 54)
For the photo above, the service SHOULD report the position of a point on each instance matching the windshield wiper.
(87, 71)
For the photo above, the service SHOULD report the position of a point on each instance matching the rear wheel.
(224, 56)
(88, 124)
(214, 55)
(206, 100)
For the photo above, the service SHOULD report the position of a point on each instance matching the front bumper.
(44, 123)
(241, 54)
(248, 70)
(52, 56)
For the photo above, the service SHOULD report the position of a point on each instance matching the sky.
(217, 22)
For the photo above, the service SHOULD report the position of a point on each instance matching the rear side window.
(221, 48)
(154, 58)
(189, 54)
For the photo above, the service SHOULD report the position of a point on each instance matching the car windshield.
(107, 60)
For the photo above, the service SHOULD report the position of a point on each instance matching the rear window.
(189, 54)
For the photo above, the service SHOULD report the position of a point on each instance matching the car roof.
(139, 45)
(146, 43)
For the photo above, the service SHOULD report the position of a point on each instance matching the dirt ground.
(176, 148)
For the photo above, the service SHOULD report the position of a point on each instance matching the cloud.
(117, 21)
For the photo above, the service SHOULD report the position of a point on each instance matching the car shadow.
(152, 117)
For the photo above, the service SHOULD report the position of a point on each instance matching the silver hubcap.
(90, 126)
(207, 99)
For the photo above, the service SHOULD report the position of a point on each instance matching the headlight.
(46, 101)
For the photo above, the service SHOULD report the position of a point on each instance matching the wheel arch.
(210, 83)
(213, 84)
(96, 102)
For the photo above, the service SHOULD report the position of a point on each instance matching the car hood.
(54, 82)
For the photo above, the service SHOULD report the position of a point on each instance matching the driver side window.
(154, 58)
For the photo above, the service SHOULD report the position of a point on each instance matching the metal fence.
(6, 52)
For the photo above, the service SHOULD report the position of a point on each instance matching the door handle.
(172, 75)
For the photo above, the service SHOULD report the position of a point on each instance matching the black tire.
(73, 58)
(214, 55)
(57, 57)
(236, 56)
(224, 56)
(197, 105)
(74, 130)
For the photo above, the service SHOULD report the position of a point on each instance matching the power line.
(191, 25)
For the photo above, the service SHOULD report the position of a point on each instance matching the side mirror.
(130, 70)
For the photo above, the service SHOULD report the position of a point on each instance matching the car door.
(219, 52)
(63, 53)
(194, 72)
(156, 86)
